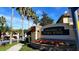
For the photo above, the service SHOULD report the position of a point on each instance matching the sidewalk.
(16, 47)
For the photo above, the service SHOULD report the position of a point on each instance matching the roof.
(55, 25)
(66, 15)
(31, 28)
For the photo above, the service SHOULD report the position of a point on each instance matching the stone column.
(75, 25)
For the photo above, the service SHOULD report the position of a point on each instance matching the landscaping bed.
(44, 45)
(26, 48)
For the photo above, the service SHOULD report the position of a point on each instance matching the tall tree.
(36, 21)
(31, 14)
(12, 14)
(21, 11)
(2, 23)
(28, 14)
(35, 18)
(45, 20)
(7, 28)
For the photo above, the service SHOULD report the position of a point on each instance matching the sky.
(53, 12)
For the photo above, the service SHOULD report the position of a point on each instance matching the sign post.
(75, 24)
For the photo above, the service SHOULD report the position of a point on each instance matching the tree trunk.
(2, 32)
(28, 24)
(11, 26)
(22, 27)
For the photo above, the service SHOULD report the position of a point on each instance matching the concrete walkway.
(16, 47)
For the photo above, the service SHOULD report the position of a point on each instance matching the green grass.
(7, 46)
(26, 48)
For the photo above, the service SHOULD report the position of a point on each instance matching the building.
(32, 32)
(62, 30)
(66, 18)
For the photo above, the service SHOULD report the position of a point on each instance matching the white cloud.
(38, 12)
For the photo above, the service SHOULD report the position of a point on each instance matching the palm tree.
(28, 14)
(31, 14)
(35, 20)
(12, 14)
(3, 23)
(21, 11)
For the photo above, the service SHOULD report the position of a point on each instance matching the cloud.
(38, 12)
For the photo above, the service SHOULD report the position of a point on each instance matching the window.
(65, 20)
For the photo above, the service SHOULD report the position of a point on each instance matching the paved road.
(16, 47)
(4, 41)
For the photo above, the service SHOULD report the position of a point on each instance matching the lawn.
(7, 46)
(26, 48)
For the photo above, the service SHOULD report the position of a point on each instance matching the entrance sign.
(58, 30)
